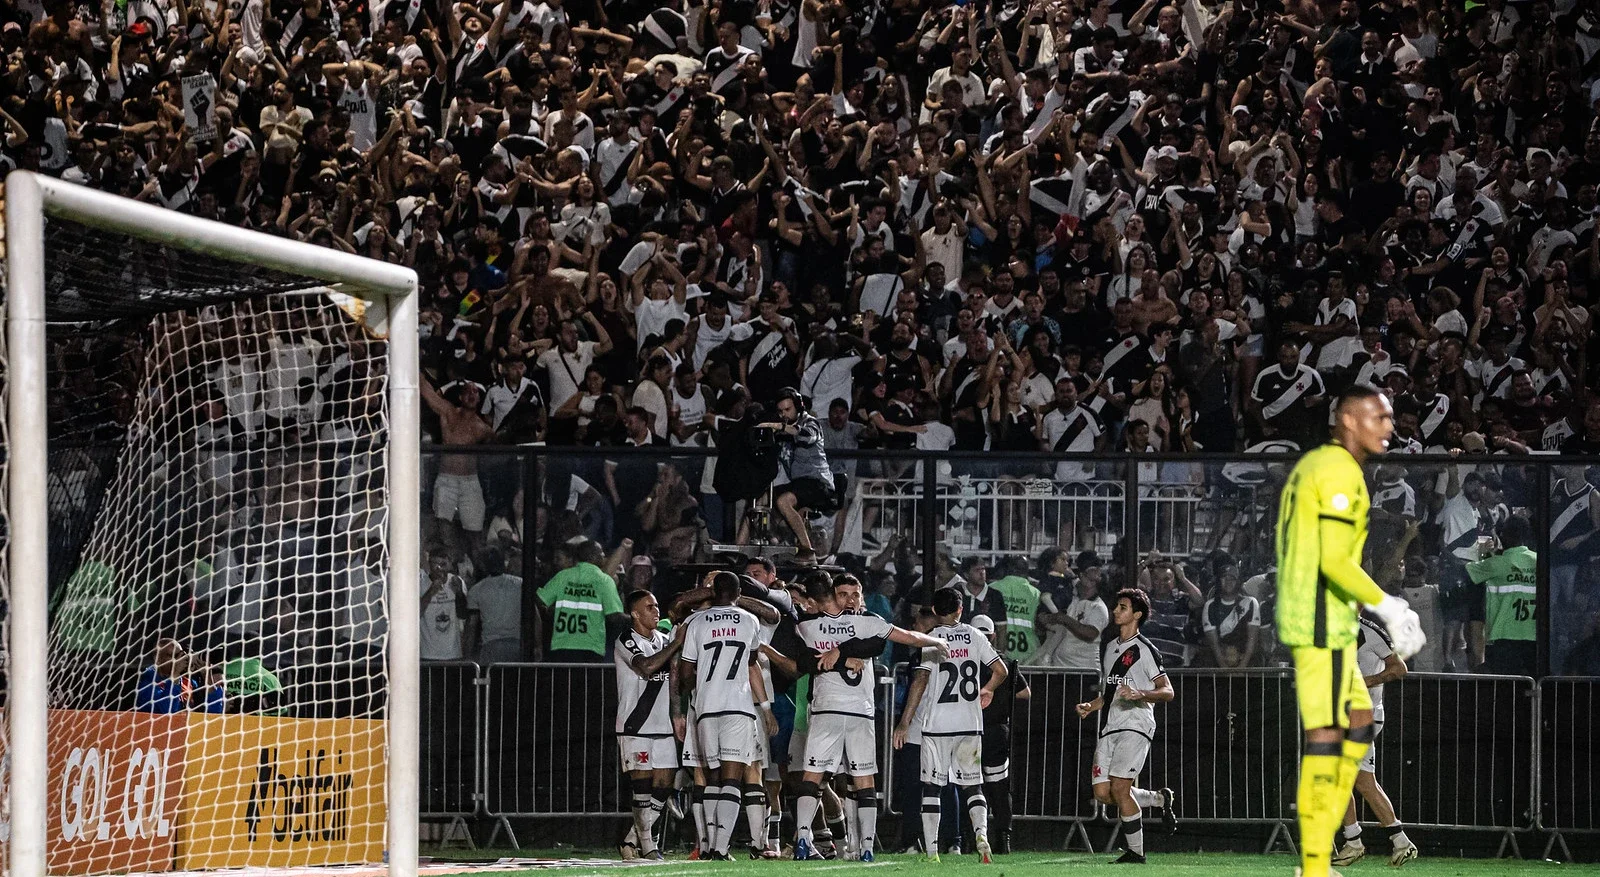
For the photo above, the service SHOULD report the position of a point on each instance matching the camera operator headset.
(810, 482)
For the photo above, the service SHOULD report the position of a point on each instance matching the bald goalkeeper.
(1322, 526)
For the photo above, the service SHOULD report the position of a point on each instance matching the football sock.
(866, 818)
(998, 793)
(652, 814)
(1146, 799)
(728, 815)
(1351, 752)
(807, 802)
(1321, 807)
(1133, 833)
(641, 806)
(930, 818)
(774, 826)
(755, 810)
(838, 831)
(697, 804)
(852, 840)
(1397, 835)
(978, 811)
(1352, 831)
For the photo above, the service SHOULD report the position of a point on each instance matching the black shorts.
(996, 745)
(1460, 600)
(810, 493)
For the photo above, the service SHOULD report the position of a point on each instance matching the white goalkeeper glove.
(1404, 627)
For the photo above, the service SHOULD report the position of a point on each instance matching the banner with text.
(277, 792)
(116, 780)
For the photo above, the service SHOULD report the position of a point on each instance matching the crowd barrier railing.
(1487, 753)
(1568, 759)
(451, 761)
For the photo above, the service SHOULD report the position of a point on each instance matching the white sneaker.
(1403, 854)
(1349, 854)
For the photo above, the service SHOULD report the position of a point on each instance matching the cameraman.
(809, 482)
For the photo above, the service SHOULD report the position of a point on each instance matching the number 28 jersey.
(954, 683)
(848, 692)
(721, 643)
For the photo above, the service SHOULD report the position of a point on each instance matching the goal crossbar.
(30, 198)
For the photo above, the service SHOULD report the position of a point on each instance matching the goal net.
(221, 490)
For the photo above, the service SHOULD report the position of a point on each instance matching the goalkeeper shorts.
(1329, 685)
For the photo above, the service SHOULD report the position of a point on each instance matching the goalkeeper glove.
(1404, 627)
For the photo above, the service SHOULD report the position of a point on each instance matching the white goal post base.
(31, 200)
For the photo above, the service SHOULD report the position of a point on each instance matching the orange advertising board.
(276, 792)
(116, 781)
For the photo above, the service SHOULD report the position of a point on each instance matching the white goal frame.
(30, 198)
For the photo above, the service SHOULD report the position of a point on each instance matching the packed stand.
(1010, 227)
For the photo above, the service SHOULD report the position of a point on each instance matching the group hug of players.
(701, 698)
(709, 686)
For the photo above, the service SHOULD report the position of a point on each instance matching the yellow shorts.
(1329, 685)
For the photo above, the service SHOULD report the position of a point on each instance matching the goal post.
(388, 292)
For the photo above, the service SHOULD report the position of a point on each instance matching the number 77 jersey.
(721, 643)
(952, 693)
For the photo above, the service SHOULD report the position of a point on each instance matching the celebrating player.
(1132, 683)
(1379, 664)
(840, 736)
(952, 726)
(1322, 526)
(644, 721)
(719, 661)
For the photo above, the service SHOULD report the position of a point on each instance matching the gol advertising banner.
(116, 780)
(276, 792)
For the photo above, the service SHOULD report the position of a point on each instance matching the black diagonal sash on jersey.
(1073, 430)
(620, 174)
(642, 710)
(1296, 388)
(1495, 381)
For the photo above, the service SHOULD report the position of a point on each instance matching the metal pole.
(932, 516)
(1130, 522)
(27, 509)
(405, 665)
(1541, 597)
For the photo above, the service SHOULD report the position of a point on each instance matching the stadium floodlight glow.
(178, 289)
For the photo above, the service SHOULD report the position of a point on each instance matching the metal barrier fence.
(1499, 753)
(1568, 762)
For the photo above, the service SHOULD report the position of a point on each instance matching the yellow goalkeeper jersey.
(1326, 484)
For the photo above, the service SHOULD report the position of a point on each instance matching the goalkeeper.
(1322, 525)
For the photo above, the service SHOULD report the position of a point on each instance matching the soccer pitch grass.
(1042, 864)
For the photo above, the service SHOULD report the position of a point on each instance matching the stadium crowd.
(1056, 226)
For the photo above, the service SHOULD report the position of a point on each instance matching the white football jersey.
(721, 643)
(848, 692)
(1372, 647)
(642, 702)
(954, 684)
(1136, 662)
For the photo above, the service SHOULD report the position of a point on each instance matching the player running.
(719, 661)
(952, 725)
(1322, 526)
(1379, 664)
(644, 721)
(840, 736)
(1132, 683)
